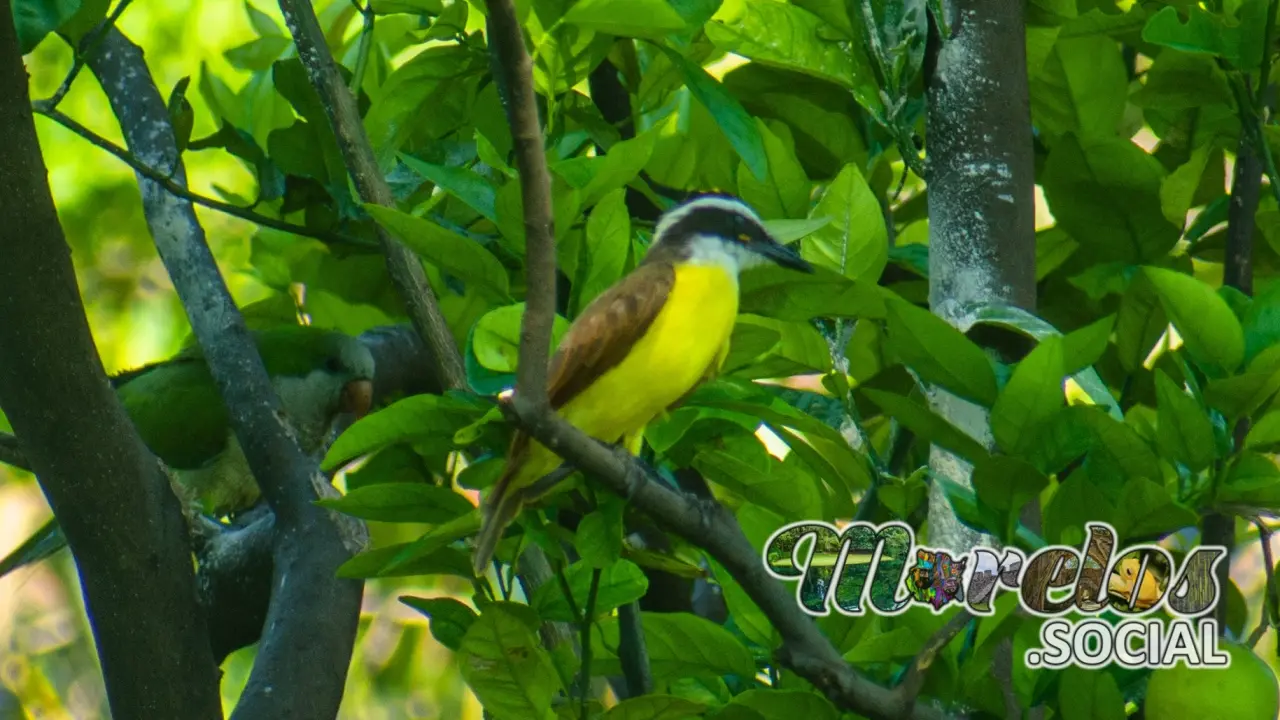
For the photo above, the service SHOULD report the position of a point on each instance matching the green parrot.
(318, 374)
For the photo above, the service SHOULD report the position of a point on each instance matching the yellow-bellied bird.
(644, 344)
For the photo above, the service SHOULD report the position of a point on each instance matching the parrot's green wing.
(180, 416)
(177, 410)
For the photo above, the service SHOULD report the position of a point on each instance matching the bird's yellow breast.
(689, 335)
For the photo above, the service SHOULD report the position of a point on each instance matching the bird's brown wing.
(598, 340)
(607, 330)
(602, 336)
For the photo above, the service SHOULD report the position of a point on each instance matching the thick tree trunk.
(109, 493)
(981, 203)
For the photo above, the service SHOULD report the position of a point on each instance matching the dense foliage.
(1119, 402)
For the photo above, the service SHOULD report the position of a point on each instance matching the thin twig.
(516, 70)
(1264, 74)
(366, 44)
(403, 266)
(588, 619)
(805, 650)
(1271, 601)
(165, 180)
(633, 651)
(913, 681)
(313, 615)
(88, 46)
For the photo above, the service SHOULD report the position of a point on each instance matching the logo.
(865, 567)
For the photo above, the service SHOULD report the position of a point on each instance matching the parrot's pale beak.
(357, 398)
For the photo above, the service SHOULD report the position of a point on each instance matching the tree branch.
(166, 182)
(303, 657)
(1246, 191)
(344, 115)
(506, 41)
(909, 690)
(805, 650)
(633, 652)
(121, 520)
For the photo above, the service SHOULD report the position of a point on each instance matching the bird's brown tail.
(500, 509)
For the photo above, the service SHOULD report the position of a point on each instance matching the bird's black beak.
(783, 255)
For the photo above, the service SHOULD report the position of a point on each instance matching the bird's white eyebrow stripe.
(704, 203)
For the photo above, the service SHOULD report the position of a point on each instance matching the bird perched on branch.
(318, 374)
(644, 344)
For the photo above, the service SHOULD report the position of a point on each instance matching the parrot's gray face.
(343, 385)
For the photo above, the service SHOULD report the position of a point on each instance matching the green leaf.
(496, 340)
(1076, 502)
(1182, 81)
(1253, 480)
(466, 185)
(1150, 510)
(1242, 394)
(1140, 323)
(628, 18)
(1203, 33)
(408, 419)
(445, 249)
(386, 562)
(409, 7)
(773, 704)
(655, 707)
(855, 242)
(785, 192)
(596, 177)
(262, 23)
(427, 94)
(259, 54)
(789, 231)
(608, 238)
(1032, 396)
(1105, 192)
(34, 19)
(792, 497)
(1082, 89)
(449, 619)
(1208, 327)
(1179, 188)
(1082, 348)
(927, 424)
(1183, 429)
(883, 647)
(680, 645)
(401, 502)
(620, 583)
(1007, 483)
(1089, 695)
(786, 36)
(503, 664)
(738, 127)
(598, 539)
(787, 295)
(940, 353)
(1264, 434)
(1261, 322)
(826, 442)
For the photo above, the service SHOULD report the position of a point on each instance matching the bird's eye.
(333, 365)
